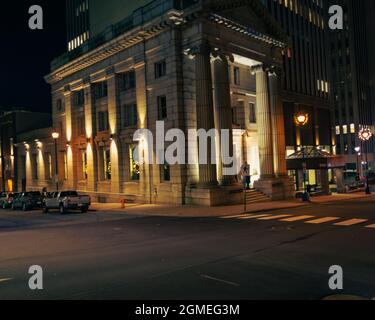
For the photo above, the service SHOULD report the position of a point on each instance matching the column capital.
(258, 68)
(110, 72)
(276, 71)
(222, 54)
(67, 90)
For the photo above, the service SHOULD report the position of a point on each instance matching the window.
(65, 166)
(59, 105)
(103, 121)
(100, 90)
(48, 165)
(253, 116)
(81, 126)
(35, 167)
(162, 107)
(78, 98)
(107, 165)
(160, 69)
(345, 129)
(134, 163)
(338, 130)
(165, 172)
(236, 76)
(352, 128)
(84, 164)
(127, 81)
(129, 115)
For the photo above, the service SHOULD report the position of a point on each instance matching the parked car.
(65, 201)
(27, 201)
(6, 199)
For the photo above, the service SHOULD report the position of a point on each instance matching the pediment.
(250, 13)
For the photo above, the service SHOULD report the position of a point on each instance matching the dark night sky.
(25, 55)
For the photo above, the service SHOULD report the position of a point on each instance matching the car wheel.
(4, 206)
(84, 209)
(24, 207)
(62, 209)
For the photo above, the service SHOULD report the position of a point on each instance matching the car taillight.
(10, 200)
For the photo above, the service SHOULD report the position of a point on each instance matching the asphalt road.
(115, 256)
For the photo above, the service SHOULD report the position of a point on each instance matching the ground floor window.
(106, 164)
(84, 164)
(165, 173)
(134, 163)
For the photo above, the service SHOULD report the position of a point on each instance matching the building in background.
(12, 124)
(353, 73)
(248, 66)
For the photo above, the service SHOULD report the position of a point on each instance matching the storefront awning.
(314, 159)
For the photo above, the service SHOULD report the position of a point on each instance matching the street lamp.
(56, 136)
(301, 119)
(358, 152)
(365, 135)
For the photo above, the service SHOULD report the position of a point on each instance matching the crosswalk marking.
(256, 216)
(350, 222)
(236, 216)
(275, 217)
(322, 220)
(299, 218)
(371, 226)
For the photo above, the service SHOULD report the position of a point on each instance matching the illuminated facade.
(193, 65)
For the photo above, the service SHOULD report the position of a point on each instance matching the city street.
(283, 254)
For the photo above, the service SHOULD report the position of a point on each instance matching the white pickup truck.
(65, 201)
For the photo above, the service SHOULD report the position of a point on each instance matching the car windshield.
(32, 194)
(69, 194)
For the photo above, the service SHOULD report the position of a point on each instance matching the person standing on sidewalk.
(246, 177)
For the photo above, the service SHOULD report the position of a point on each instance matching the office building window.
(127, 81)
(253, 116)
(129, 115)
(103, 124)
(160, 69)
(162, 107)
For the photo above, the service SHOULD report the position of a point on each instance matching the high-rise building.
(247, 67)
(353, 73)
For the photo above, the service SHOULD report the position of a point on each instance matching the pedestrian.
(246, 177)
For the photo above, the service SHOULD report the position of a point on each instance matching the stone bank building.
(248, 66)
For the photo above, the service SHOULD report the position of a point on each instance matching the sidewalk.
(192, 211)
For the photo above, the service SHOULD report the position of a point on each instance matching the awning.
(314, 159)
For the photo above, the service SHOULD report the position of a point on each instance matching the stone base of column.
(215, 196)
(281, 188)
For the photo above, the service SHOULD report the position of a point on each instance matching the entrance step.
(254, 196)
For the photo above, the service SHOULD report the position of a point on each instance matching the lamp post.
(358, 153)
(365, 135)
(301, 119)
(56, 136)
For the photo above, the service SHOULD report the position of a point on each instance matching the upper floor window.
(160, 69)
(162, 108)
(100, 90)
(253, 116)
(236, 76)
(78, 98)
(103, 124)
(127, 81)
(129, 115)
(81, 125)
(59, 105)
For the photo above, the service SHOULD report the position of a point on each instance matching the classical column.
(205, 111)
(68, 113)
(114, 125)
(278, 126)
(224, 113)
(264, 123)
(91, 152)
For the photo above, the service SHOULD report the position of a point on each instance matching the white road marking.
(256, 216)
(236, 216)
(322, 220)
(275, 217)
(350, 222)
(220, 280)
(299, 218)
(371, 226)
(5, 279)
